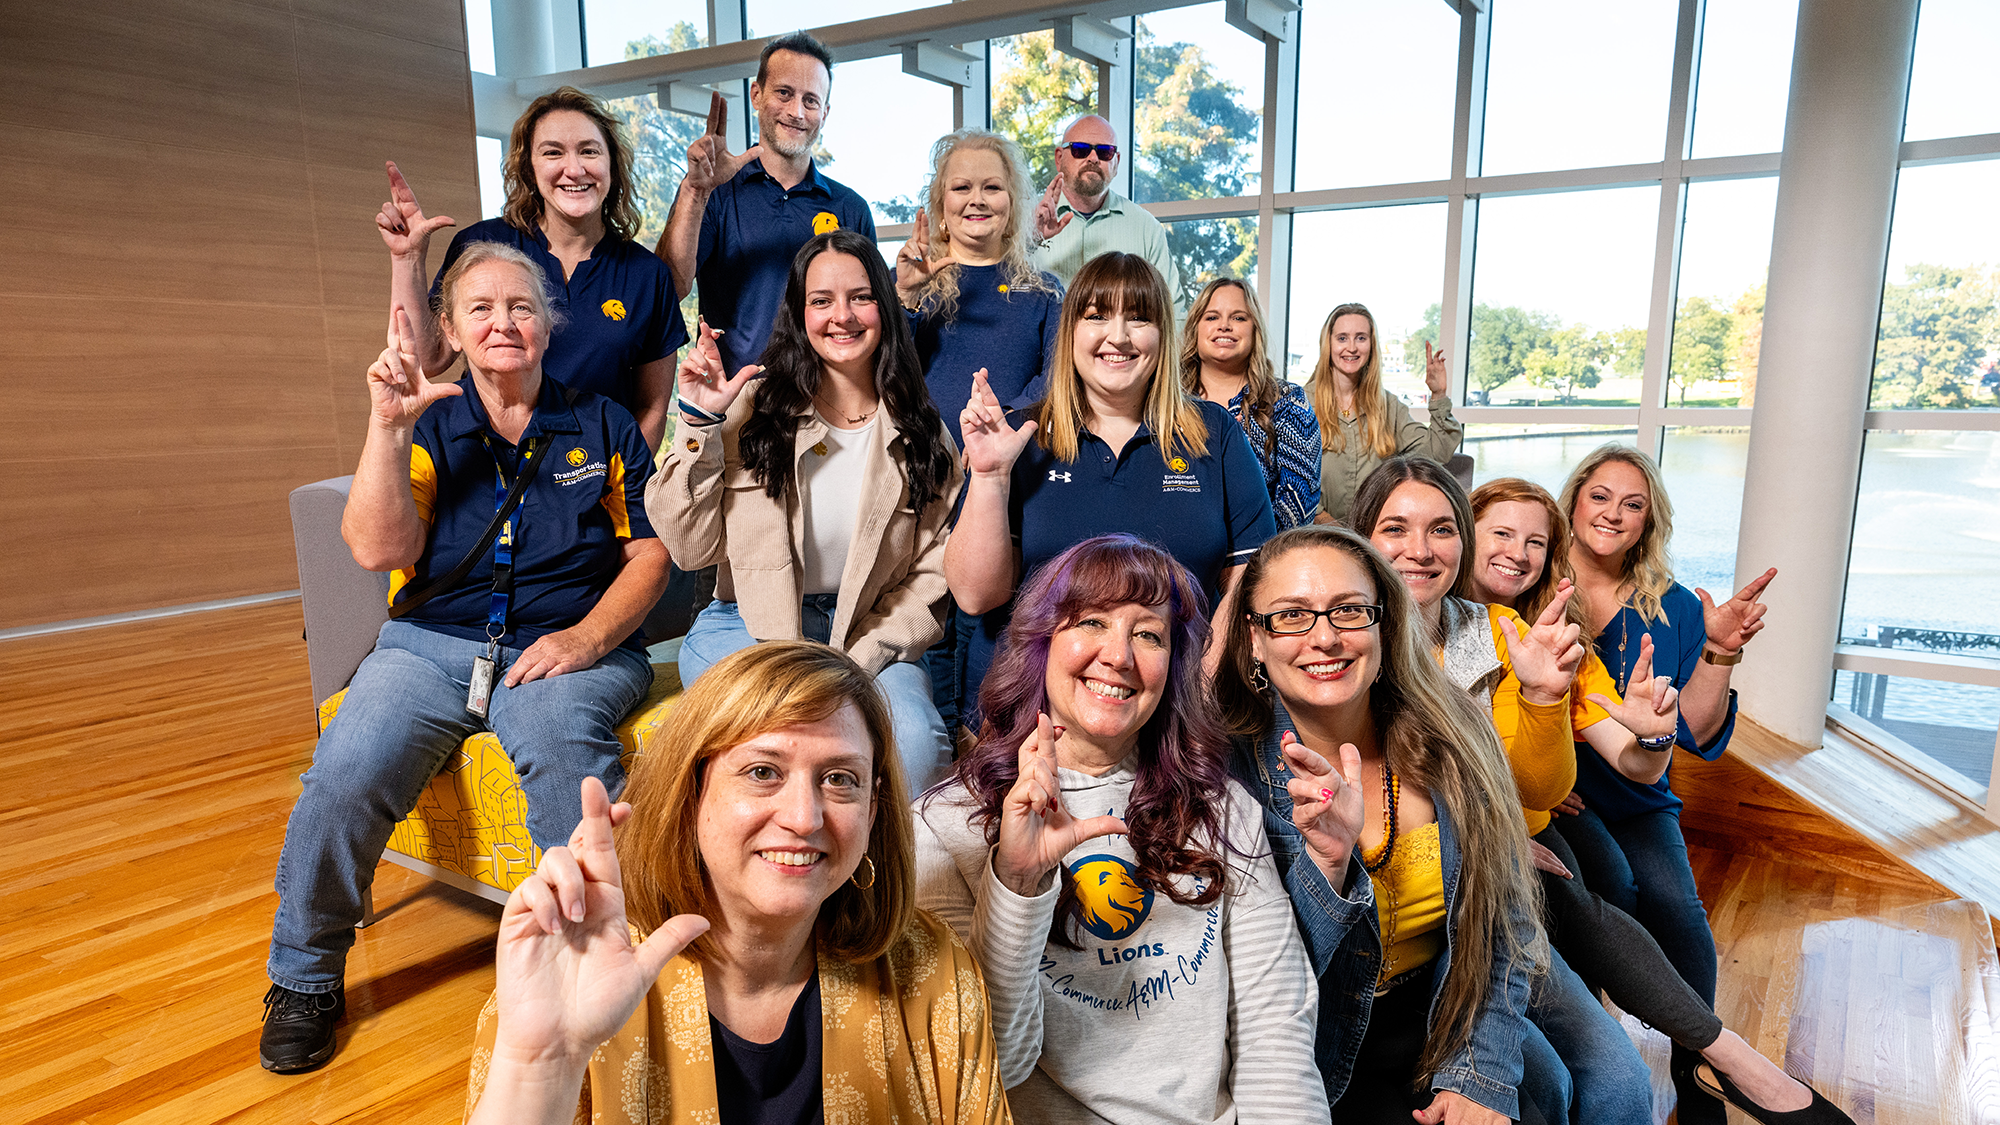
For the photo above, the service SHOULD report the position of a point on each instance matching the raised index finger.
(591, 843)
(1754, 588)
(399, 188)
(718, 114)
(1554, 612)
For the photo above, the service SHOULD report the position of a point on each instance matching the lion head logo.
(1178, 464)
(614, 309)
(1112, 903)
(576, 458)
(826, 222)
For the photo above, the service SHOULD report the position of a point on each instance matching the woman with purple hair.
(1139, 949)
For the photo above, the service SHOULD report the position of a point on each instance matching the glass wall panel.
(616, 30)
(479, 35)
(1388, 258)
(1205, 249)
(1951, 726)
(775, 17)
(888, 164)
(1577, 84)
(660, 140)
(1745, 78)
(492, 176)
(1035, 91)
(1408, 47)
(1939, 338)
(1198, 111)
(1951, 77)
(1703, 466)
(1926, 553)
(1544, 452)
(1560, 297)
(1719, 321)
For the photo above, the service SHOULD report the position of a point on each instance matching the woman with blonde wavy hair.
(1224, 359)
(1115, 445)
(1362, 425)
(1396, 827)
(767, 851)
(571, 209)
(1626, 833)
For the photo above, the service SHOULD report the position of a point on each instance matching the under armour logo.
(1063, 477)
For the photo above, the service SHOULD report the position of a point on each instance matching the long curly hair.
(524, 200)
(1176, 813)
(939, 295)
(1434, 735)
(1647, 566)
(1370, 400)
(793, 370)
(1264, 387)
(1542, 590)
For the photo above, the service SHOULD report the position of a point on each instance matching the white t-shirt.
(830, 492)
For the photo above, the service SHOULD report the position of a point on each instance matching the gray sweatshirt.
(1168, 1013)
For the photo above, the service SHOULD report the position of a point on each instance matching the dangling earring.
(855, 878)
(1257, 678)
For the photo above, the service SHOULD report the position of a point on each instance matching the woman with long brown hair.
(1225, 359)
(1361, 424)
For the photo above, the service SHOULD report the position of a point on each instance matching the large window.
(1404, 56)
(1390, 259)
(1577, 83)
(1198, 107)
(616, 30)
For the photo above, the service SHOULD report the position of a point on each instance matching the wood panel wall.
(194, 286)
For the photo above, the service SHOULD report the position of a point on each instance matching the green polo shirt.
(1118, 225)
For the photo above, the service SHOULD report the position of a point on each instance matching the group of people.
(1131, 734)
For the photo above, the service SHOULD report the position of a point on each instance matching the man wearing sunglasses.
(1080, 217)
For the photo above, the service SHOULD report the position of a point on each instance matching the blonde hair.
(1264, 386)
(939, 295)
(1114, 282)
(1433, 735)
(1647, 565)
(754, 691)
(1542, 591)
(1370, 400)
(524, 199)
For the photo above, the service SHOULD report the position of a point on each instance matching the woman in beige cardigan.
(819, 483)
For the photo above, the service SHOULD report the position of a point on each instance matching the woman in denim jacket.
(1405, 860)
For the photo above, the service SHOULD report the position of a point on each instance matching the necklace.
(853, 421)
(1390, 795)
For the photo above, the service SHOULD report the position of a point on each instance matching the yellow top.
(1540, 739)
(1409, 901)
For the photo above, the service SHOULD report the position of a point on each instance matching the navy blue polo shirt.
(569, 530)
(1011, 333)
(750, 233)
(1210, 512)
(617, 313)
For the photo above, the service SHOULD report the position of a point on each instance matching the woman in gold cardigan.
(767, 853)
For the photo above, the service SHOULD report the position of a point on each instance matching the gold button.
(693, 445)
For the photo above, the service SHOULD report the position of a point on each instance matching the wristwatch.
(1720, 660)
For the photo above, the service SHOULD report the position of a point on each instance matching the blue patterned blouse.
(1291, 466)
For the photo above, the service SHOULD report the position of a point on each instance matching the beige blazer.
(710, 511)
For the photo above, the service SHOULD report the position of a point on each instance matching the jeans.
(945, 661)
(1607, 1082)
(1640, 865)
(403, 716)
(920, 736)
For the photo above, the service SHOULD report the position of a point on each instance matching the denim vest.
(1343, 942)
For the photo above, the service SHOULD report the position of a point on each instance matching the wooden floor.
(152, 767)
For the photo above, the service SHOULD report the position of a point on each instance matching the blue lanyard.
(503, 547)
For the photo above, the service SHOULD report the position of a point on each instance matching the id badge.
(484, 669)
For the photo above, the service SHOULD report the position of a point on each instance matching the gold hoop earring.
(855, 878)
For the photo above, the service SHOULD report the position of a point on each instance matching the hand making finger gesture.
(991, 445)
(702, 380)
(915, 264)
(1436, 374)
(1036, 832)
(709, 164)
(1546, 657)
(1327, 804)
(567, 975)
(1047, 220)
(405, 229)
(1731, 624)
(1651, 707)
(398, 391)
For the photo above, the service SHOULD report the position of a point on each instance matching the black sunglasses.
(1080, 150)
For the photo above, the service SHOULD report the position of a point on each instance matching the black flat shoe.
(298, 1029)
(1717, 1084)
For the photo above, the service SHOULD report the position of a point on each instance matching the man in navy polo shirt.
(739, 220)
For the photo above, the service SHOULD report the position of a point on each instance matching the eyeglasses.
(1292, 622)
(1080, 150)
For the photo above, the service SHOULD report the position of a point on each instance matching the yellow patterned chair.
(470, 827)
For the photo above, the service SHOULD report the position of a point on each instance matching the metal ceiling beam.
(963, 22)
